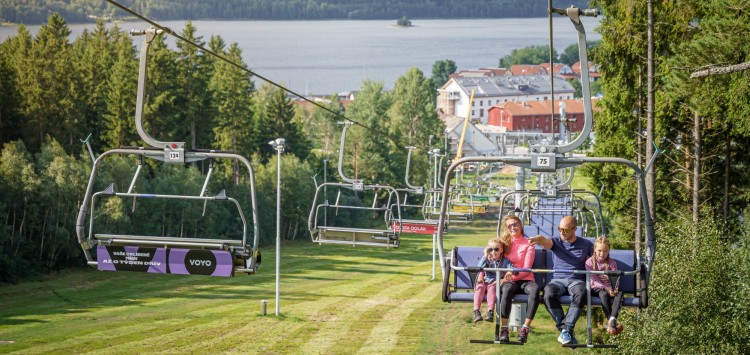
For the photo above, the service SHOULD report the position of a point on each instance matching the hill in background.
(76, 11)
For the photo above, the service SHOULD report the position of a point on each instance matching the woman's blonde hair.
(505, 235)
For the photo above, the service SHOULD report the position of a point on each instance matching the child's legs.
(606, 303)
(479, 291)
(616, 303)
(491, 295)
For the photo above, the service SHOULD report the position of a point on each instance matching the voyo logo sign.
(198, 262)
(201, 262)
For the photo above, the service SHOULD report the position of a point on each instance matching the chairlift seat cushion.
(355, 236)
(464, 280)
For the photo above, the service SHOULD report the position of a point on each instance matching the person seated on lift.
(568, 253)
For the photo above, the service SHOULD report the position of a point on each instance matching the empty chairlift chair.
(360, 214)
(218, 252)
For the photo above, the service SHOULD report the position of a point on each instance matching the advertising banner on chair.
(165, 260)
(415, 228)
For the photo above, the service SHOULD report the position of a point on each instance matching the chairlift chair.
(325, 228)
(635, 265)
(222, 255)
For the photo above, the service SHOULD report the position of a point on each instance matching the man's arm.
(542, 241)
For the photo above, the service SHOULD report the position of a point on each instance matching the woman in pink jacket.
(521, 255)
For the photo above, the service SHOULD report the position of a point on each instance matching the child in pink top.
(601, 284)
(521, 255)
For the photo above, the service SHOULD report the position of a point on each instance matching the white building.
(453, 97)
(476, 143)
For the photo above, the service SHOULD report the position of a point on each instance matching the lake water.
(324, 57)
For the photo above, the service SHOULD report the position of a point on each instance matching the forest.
(77, 11)
(680, 79)
(55, 93)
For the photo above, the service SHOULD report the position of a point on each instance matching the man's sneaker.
(477, 316)
(504, 336)
(523, 333)
(573, 340)
(564, 337)
(490, 316)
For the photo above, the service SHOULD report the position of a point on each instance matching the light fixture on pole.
(278, 144)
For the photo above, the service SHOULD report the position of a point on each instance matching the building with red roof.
(536, 116)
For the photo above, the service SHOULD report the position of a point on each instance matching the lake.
(324, 57)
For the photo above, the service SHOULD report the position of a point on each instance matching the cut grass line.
(385, 335)
(345, 325)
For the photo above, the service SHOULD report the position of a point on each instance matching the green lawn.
(334, 300)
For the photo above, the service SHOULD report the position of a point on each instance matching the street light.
(278, 144)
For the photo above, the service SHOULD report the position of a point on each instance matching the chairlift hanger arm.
(416, 189)
(574, 14)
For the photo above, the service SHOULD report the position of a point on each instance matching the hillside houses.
(453, 97)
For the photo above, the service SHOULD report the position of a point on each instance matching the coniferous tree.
(18, 52)
(45, 84)
(441, 70)
(287, 124)
(10, 124)
(118, 126)
(231, 91)
(93, 56)
(161, 114)
(194, 73)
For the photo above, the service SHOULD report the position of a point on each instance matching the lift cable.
(219, 56)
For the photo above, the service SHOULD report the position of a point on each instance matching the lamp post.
(278, 144)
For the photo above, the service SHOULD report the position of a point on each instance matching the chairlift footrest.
(473, 341)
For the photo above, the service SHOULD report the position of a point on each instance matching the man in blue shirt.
(568, 253)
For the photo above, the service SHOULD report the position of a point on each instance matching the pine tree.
(46, 80)
(93, 56)
(231, 91)
(194, 73)
(161, 115)
(118, 126)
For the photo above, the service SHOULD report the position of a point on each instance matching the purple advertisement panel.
(201, 262)
(125, 258)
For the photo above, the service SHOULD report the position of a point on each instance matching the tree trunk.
(639, 156)
(727, 163)
(696, 166)
(44, 228)
(650, 178)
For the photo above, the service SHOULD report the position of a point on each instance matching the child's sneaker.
(504, 336)
(490, 316)
(523, 334)
(477, 316)
(613, 327)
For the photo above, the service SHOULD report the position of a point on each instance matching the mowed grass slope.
(334, 300)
